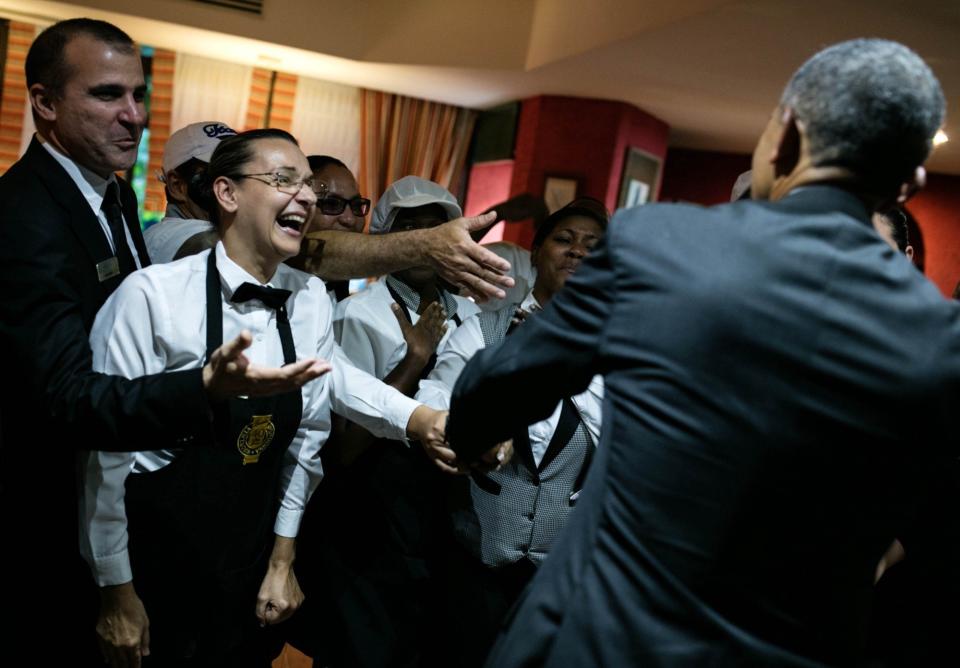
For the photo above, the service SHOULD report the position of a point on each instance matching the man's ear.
(176, 187)
(913, 186)
(787, 150)
(908, 251)
(225, 192)
(43, 103)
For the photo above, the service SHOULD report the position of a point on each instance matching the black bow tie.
(275, 298)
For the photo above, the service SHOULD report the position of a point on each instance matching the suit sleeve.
(42, 319)
(554, 354)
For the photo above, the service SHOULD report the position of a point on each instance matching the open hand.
(230, 374)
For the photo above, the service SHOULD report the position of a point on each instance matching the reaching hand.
(230, 374)
(462, 262)
(427, 426)
(123, 629)
(495, 458)
(422, 338)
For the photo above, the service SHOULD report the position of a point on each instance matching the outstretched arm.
(448, 248)
(553, 355)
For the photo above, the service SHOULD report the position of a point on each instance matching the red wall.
(937, 210)
(703, 177)
(706, 177)
(489, 184)
(582, 139)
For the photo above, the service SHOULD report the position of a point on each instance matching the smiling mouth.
(292, 223)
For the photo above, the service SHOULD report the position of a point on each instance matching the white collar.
(530, 303)
(232, 275)
(92, 186)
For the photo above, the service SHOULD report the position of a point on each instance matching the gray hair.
(869, 105)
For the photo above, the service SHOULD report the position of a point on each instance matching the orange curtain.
(402, 136)
(14, 101)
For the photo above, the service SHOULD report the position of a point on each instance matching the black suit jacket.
(778, 385)
(52, 403)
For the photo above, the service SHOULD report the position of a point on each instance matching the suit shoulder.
(22, 193)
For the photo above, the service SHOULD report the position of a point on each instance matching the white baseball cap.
(407, 193)
(197, 140)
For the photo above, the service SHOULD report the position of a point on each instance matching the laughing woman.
(192, 529)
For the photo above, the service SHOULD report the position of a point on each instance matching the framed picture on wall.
(640, 180)
(558, 192)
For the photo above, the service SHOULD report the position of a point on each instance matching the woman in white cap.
(193, 528)
(390, 494)
(392, 329)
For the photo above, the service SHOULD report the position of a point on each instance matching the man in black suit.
(780, 386)
(69, 234)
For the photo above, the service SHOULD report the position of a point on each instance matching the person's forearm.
(284, 551)
(404, 377)
(334, 255)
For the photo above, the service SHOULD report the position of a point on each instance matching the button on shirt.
(453, 356)
(94, 187)
(156, 321)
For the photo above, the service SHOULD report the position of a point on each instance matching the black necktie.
(111, 209)
(276, 299)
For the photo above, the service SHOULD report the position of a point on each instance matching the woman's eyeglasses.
(287, 184)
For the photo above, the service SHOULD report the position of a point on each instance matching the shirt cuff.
(113, 569)
(287, 523)
(397, 413)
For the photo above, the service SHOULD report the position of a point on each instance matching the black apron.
(201, 528)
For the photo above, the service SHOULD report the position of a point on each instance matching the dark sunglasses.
(333, 205)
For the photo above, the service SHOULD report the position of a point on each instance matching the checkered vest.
(518, 511)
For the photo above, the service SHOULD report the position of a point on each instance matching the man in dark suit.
(69, 234)
(778, 389)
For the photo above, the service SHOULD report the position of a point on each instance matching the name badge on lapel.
(108, 269)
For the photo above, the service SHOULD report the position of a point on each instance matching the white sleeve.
(590, 406)
(123, 344)
(453, 355)
(302, 469)
(361, 398)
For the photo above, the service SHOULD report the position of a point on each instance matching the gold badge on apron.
(255, 438)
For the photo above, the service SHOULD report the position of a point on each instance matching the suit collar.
(64, 191)
(92, 186)
(82, 218)
(826, 198)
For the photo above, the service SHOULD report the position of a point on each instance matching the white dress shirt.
(156, 321)
(370, 335)
(452, 357)
(94, 188)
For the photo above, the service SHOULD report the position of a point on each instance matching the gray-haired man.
(774, 414)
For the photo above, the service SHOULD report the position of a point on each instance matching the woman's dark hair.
(318, 162)
(582, 206)
(229, 159)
